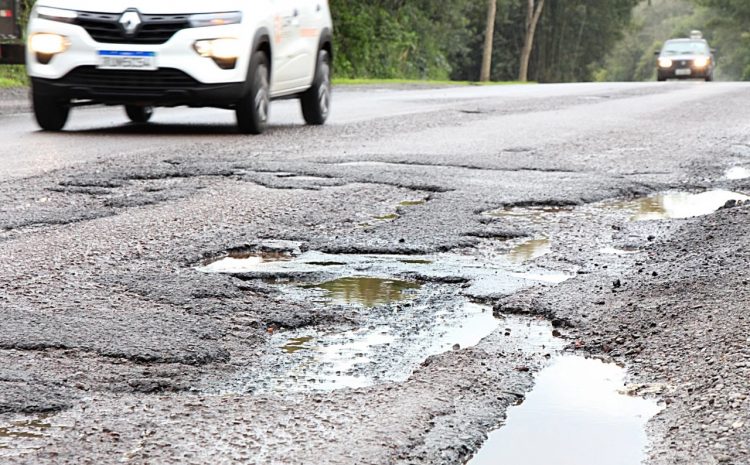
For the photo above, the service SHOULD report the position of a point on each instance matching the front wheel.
(316, 101)
(252, 109)
(51, 113)
(139, 114)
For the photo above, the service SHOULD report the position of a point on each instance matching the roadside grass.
(371, 82)
(13, 76)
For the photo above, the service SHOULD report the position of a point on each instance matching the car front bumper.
(163, 87)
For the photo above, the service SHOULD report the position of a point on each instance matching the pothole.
(367, 291)
(23, 436)
(676, 205)
(536, 214)
(390, 349)
(575, 415)
(361, 275)
(530, 250)
(236, 262)
(737, 173)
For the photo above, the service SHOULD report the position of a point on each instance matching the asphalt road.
(116, 345)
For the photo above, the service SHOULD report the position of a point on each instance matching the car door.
(312, 17)
(286, 61)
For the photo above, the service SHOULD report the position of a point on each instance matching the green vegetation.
(12, 76)
(428, 40)
(423, 41)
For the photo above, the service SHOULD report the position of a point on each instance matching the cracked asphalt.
(114, 348)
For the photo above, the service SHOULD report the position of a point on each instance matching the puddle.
(676, 205)
(737, 173)
(573, 416)
(417, 261)
(412, 203)
(616, 251)
(389, 217)
(367, 291)
(19, 437)
(297, 344)
(535, 214)
(238, 262)
(391, 348)
(488, 278)
(529, 250)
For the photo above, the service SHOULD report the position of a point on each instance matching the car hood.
(684, 57)
(147, 6)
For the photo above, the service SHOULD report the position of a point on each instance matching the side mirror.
(713, 50)
(657, 53)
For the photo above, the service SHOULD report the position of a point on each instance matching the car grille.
(142, 82)
(155, 29)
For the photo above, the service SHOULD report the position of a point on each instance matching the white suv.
(234, 54)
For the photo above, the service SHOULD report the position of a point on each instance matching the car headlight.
(55, 14)
(701, 62)
(46, 46)
(665, 62)
(215, 19)
(223, 51)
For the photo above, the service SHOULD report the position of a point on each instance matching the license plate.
(127, 60)
(683, 72)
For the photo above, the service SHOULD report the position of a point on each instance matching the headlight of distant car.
(46, 46)
(223, 51)
(55, 14)
(215, 19)
(665, 62)
(701, 62)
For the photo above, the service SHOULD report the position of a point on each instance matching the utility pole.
(488, 41)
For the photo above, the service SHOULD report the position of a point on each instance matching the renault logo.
(130, 21)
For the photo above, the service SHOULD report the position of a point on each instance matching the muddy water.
(22, 436)
(676, 205)
(575, 415)
(367, 291)
(529, 250)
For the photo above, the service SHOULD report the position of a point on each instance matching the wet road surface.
(435, 267)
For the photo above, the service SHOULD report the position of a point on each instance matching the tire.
(316, 101)
(139, 114)
(51, 113)
(252, 109)
(661, 79)
(710, 78)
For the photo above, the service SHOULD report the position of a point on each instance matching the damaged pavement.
(383, 290)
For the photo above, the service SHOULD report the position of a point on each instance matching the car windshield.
(685, 48)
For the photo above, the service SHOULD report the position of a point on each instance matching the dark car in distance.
(686, 59)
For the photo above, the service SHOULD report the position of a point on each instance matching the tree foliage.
(426, 39)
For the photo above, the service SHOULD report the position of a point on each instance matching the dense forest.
(575, 40)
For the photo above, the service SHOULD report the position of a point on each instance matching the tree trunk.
(533, 14)
(488, 41)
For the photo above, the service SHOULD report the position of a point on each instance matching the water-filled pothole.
(235, 262)
(676, 205)
(487, 277)
(390, 349)
(575, 415)
(536, 214)
(737, 173)
(367, 291)
(530, 250)
(22, 436)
